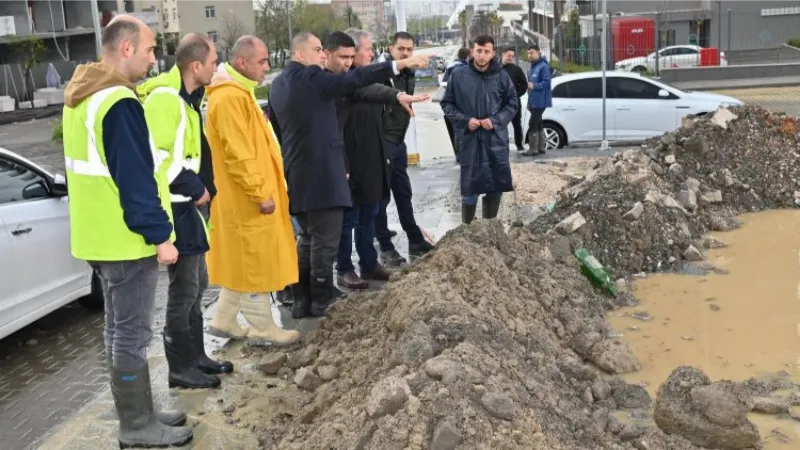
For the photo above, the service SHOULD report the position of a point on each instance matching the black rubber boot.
(182, 370)
(171, 417)
(542, 143)
(468, 213)
(322, 295)
(418, 249)
(491, 206)
(138, 425)
(202, 361)
(301, 296)
(533, 144)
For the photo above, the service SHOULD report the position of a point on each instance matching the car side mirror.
(663, 93)
(59, 186)
(37, 189)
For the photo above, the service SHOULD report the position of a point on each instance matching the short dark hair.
(337, 40)
(121, 30)
(402, 35)
(463, 53)
(534, 47)
(510, 49)
(193, 47)
(483, 40)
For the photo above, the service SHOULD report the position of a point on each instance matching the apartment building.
(369, 12)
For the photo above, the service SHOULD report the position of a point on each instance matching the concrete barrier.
(722, 73)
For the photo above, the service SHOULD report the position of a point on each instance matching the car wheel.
(639, 69)
(554, 135)
(94, 301)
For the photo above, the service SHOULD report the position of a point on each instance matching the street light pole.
(604, 49)
(289, 19)
(98, 40)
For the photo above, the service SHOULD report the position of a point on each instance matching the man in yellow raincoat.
(253, 250)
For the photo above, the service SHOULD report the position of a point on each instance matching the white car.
(637, 108)
(37, 271)
(668, 57)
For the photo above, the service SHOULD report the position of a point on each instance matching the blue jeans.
(472, 200)
(358, 221)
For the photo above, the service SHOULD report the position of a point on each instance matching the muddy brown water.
(735, 326)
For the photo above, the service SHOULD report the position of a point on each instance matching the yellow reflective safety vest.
(97, 227)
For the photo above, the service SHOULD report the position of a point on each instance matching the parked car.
(668, 57)
(440, 63)
(637, 108)
(37, 271)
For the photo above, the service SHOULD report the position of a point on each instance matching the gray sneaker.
(392, 259)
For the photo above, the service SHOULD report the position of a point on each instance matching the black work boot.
(202, 361)
(181, 361)
(468, 213)
(420, 248)
(301, 296)
(285, 297)
(322, 295)
(490, 205)
(138, 425)
(171, 417)
(392, 259)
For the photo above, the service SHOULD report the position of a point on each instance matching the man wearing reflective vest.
(120, 219)
(172, 108)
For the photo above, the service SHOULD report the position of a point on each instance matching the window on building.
(213, 36)
(668, 38)
(174, 14)
(211, 12)
(786, 11)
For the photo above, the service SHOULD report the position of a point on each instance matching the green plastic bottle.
(595, 271)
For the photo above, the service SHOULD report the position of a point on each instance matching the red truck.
(633, 36)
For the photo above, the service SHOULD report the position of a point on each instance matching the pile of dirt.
(491, 341)
(648, 209)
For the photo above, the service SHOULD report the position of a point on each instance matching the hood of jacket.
(542, 59)
(494, 66)
(226, 75)
(90, 78)
(168, 79)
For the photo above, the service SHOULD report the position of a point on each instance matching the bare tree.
(232, 29)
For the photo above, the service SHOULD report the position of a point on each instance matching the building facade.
(371, 13)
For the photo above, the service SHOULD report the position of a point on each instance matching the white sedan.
(637, 108)
(668, 57)
(37, 271)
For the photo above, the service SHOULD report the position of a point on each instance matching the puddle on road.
(736, 326)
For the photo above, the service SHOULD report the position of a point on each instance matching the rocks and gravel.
(689, 182)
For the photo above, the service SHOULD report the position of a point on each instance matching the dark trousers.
(188, 280)
(358, 221)
(452, 135)
(129, 289)
(400, 186)
(535, 124)
(517, 123)
(318, 242)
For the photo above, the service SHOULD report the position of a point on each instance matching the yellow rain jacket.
(252, 252)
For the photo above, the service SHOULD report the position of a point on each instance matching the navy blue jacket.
(303, 103)
(190, 231)
(541, 96)
(129, 157)
(484, 153)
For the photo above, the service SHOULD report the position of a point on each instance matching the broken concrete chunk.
(327, 373)
(710, 243)
(669, 159)
(771, 405)
(722, 117)
(688, 199)
(696, 146)
(724, 403)
(571, 224)
(306, 379)
(635, 212)
(676, 169)
(445, 436)
(615, 357)
(443, 368)
(693, 254)
(691, 184)
(272, 363)
(712, 197)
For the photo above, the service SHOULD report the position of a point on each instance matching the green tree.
(33, 49)
(462, 24)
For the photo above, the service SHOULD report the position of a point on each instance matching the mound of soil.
(492, 341)
(647, 210)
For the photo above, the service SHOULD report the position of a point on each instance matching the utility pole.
(604, 48)
(98, 40)
(349, 24)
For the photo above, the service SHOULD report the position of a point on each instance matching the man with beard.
(172, 109)
(395, 123)
(360, 118)
(303, 102)
(481, 101)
